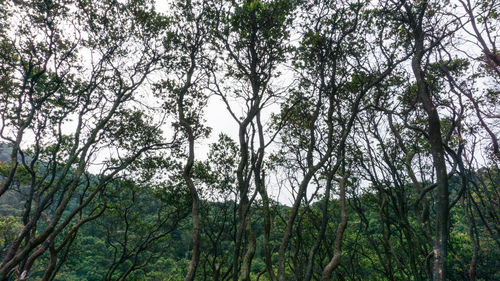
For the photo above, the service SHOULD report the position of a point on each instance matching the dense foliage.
(364, 146)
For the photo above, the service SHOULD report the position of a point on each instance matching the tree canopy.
(364, 143)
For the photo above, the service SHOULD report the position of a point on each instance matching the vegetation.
(365, 140)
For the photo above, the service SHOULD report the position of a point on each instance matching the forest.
(270, 140)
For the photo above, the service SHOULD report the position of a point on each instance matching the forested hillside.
(353, 140)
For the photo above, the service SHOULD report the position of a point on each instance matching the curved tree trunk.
(437, 151)
(335, 261)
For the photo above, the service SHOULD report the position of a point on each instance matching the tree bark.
(335, 261)
(437, 151)
(186, 175)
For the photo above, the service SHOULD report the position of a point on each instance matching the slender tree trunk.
(437, 151)
(247, 259)
(195, 255)
(335, 261)
(473, 236)
(321, 235)
(52, 263)
(260, 182)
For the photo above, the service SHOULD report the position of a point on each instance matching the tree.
(186, 98)
(254, 36)
(72, 74)
(136, 226)
(336, 80)
(418, 21)
(373, 120)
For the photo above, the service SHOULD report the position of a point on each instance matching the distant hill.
(5, 150)
(11, 204)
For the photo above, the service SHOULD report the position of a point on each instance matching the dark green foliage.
(366, 149)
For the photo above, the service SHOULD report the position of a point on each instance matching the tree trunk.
(437, 151)
(335, 261)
